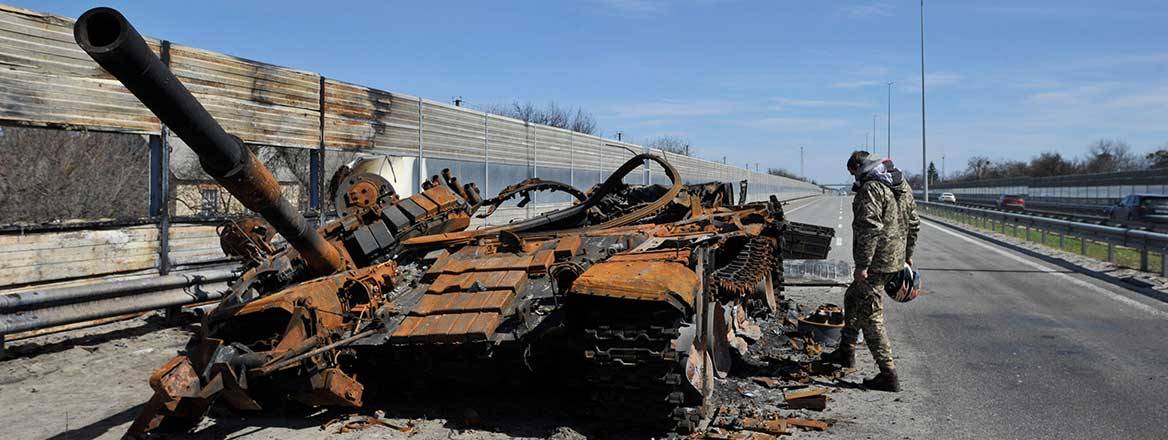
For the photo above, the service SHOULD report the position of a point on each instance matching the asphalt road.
(1008, 346)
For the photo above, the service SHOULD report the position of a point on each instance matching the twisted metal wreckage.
(632, 295)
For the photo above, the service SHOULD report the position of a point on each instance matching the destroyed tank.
(633, 298)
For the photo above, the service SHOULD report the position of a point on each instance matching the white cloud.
(818, 103)
(797, 124)
(1076, 94)
(671, 108)
(1155, 99)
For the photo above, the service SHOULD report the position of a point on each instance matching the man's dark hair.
(857, 159)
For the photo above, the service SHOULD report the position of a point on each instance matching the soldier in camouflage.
(885, 229)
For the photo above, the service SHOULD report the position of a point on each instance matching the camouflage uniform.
(885, 226)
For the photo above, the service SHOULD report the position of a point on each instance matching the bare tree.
(51, 174)
(553, 115)
(1109, 155)
(1007, 168)
(1158, 158)
(583, 122)
(1050, 163)
(978, 166)
(782, 172)
(670, 143)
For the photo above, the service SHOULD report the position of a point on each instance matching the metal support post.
(1144, 258)
(316, 167)
(1110, 251)
(421, 170)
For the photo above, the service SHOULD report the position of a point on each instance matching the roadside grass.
(1124, 256)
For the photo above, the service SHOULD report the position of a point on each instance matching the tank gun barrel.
(108, 38)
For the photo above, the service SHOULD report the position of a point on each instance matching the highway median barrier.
(1126, 247)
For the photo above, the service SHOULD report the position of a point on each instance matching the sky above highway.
(751, 81)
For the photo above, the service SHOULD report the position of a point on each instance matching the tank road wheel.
(637, 363)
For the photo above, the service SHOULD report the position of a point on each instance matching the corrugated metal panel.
(260, 103)
(614, 154)
(686, 167)
(586, 151)
(452, 133)
(49, 81)
(508, 141)
(552, 146)
(361, 118)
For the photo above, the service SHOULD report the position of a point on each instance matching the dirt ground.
(91, 383)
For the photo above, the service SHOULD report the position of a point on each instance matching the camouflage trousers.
(864, 311)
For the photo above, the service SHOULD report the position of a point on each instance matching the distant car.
(1010, 201)
(1151, 208)
(947, 198)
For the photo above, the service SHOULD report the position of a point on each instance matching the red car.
(1011, 201)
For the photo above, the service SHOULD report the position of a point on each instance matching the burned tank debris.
(634, 297)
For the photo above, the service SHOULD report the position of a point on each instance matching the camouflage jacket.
(885, 225)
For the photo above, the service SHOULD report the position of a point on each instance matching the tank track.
(748, 266)
(633, 374)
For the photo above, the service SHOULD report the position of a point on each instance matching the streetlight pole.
(801, 174)
(874, 133)
(889, 129)
(924, 151)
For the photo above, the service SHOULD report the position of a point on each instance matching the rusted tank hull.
(632, 298)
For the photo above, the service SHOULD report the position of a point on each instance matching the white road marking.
(840, 225)
(1052, 271)
(839, 241)
(788, 211)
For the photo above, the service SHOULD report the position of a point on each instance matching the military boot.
(844, 356)
(885, 381)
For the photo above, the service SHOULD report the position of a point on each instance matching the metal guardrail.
(38, 309)
(1143, 241)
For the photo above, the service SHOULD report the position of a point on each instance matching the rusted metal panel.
(509, 279)
(541, 261)
(568, 246)
(483, 326)
(362, 118)
(444, 199)
(463, 302)
(258, 102)
(426, 204)
(643, 280)
(676, 255)
(49, 81)
(406, 328)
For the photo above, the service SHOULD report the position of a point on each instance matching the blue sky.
(752, 81)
